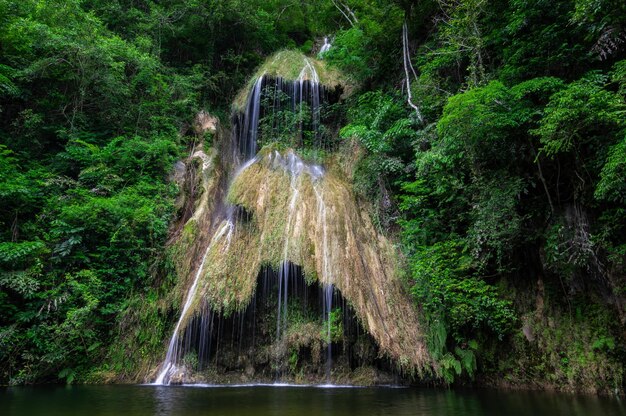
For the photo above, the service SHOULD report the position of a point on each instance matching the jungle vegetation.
(494, 137)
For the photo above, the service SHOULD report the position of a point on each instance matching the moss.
(365, 376)
(289, 63)
(190, 230)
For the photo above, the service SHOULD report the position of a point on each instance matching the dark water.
(262, 401)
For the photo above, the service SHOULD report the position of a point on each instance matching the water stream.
(326, 46)
(169, 366)
(303, 97)
(294, 167)
(327, 276)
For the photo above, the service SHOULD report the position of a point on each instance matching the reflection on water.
(287, 401)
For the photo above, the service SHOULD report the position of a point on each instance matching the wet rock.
(177, 378)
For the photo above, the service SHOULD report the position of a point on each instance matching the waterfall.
(172, 357)
(226, 230)
(309, 73)
(300, 95)
(325, 47)
(248, 140)
(294, 168)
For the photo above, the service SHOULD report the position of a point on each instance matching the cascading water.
(309, 74)
(172, 357)
(290, 241)
(270, 95)
(305, 91)
(296, 169)
(293, 279)
(247, 139)
(225, 231)
(325, 47)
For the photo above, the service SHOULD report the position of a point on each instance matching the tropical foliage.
(503, 177)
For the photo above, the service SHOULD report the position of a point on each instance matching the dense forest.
(493, 137)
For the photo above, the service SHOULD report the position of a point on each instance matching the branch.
(407, 64)
(541, 177)
(345, 6)
(344, 13)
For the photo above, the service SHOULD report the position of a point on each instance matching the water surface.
(296, 401)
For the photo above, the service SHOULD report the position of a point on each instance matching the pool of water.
(286, 401)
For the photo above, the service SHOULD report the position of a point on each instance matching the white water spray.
(325, 47)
